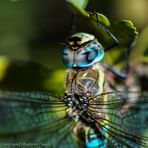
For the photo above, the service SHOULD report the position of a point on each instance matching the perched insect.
(86, 116)
(84, 81)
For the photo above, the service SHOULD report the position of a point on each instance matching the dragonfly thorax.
(77, 108)
(77, 105)
(79, 102)
(88, 82)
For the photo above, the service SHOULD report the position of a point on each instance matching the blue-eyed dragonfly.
(86, 116)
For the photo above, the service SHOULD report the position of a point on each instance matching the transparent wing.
(122, 117)
(35, 119)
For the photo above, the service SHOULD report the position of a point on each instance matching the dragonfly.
(86, 115)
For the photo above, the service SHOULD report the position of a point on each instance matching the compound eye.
(67, 56)
(92, 55)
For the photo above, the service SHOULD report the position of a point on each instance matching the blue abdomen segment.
(96, 143)
(93, 141)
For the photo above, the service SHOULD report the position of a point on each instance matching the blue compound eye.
(89, 55)
(67, 56)
(95, 54)
(92, 55)
(101, 54)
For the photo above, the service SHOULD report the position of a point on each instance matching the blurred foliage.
(140, 51)
(137, 8)
(78, 6)
(28, 76)
(4, 63)
(31, 32)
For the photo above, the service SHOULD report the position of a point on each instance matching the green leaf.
(125, 32)
(78, 6)
(80, 3)
(100, 18)
(93, 21)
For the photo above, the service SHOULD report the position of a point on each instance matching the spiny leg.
(116, 42)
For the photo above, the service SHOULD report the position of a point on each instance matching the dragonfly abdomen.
(93, 140)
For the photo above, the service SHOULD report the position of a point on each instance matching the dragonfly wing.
(123, 117)
(34, 118)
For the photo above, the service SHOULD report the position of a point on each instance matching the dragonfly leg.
(115, 43)
(72, 27)
(115, 40)
(116, 72)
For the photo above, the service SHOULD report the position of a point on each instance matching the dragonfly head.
(82, 51)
